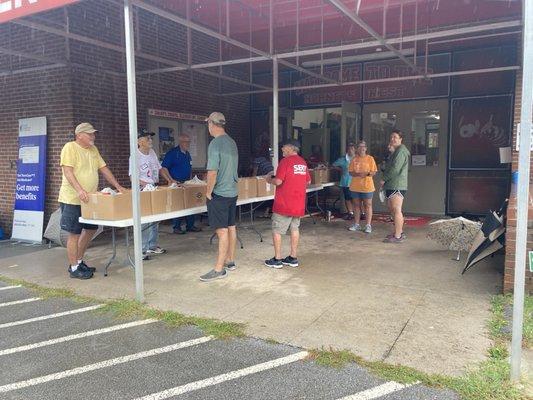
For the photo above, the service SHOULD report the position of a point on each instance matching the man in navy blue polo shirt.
(178, 163)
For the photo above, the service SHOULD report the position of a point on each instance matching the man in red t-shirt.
(292, 178)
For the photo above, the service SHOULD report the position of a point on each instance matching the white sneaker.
(355, 228)
(368, 229)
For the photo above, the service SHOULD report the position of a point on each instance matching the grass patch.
(488, 381)
(46, 293)
(499, 325)
(131, 309)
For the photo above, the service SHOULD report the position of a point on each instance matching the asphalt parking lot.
(60, 349)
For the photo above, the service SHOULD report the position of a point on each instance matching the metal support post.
(132, 119)
(522, 195)
(275, 113)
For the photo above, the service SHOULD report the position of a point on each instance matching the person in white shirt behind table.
(149, 170)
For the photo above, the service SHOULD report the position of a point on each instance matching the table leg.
(252, 209)
(128, 256)
(317, 203)
(308, 211)
(114, 245)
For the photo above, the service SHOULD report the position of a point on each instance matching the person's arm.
(274, 181)
(108, 175)
(373, 167)
(213, 164)
(166, 175)
(352, 172)
(211, 180)
(395, 166)
(71, 178)
(279, 177)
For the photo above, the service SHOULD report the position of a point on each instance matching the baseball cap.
(85, 127)
(217, 118)
(144, 133)
(292, 142)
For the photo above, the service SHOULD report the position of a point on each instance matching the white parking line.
(44, 317)
(76, 336)
(378, 391)
(103, 364)
(215, 380)
(10, 287)
(13, 303)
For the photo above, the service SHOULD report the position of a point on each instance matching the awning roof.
(11, 9)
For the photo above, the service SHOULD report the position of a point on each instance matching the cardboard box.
(166, 199)
(146, 204)
(107, 207)
(112, 208)
(247, 188)
(264, 188)
(194, 195)
(319, 176)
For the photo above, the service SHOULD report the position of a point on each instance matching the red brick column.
(510, 249)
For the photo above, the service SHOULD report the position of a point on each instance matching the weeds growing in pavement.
(488, 380)
(131, 309)
(46, 293)
(500, 326)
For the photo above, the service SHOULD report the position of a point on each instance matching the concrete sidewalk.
(406, 304)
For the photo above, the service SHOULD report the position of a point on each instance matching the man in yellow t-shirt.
(362, 169)
(80, 162)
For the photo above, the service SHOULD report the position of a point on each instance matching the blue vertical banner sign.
(28, 216)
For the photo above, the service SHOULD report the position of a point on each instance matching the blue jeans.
(150, 233)
(189, 222)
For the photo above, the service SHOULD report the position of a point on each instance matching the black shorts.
(390, 193)
(70, 219)
(221, 211)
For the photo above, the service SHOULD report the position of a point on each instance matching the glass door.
(425, 128)
(350, 123)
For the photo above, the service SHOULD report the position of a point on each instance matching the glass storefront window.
(425, 130)
(381, 126)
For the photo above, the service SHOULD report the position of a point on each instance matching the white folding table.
(126, 223)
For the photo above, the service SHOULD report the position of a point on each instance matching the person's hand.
(381, 183)
(209, 196)
(121, 189)
(84, 196)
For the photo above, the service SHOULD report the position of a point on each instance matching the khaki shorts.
(282, 223)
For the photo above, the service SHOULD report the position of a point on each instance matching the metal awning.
(291, 30)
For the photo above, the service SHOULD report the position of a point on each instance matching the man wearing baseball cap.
(149, 170)
(80, 162)
(291, 180)
(222, 165)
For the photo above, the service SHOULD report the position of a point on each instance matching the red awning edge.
(11, 9)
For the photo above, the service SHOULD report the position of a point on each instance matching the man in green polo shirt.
(222, 164)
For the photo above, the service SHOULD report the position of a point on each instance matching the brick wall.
(510, 249)
(93, 88)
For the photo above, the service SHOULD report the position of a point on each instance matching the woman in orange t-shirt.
(362, 169)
